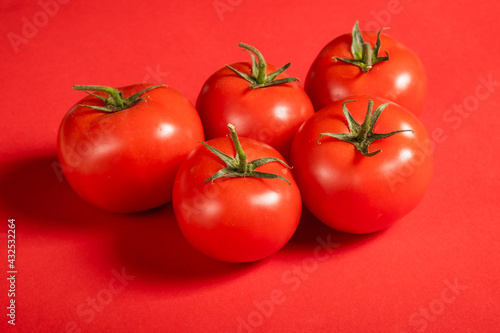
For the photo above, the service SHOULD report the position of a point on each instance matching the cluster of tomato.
(349, 146)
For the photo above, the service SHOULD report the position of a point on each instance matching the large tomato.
(258, 99)
(367, 63)
(362, 178)
(239, 209)
(121, 152)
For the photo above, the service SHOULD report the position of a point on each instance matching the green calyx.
(238, 166)
(364, 56)
(115, 100)
(258, 77)
(361, 136)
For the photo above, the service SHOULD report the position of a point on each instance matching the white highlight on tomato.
(166, 130)
(403, 80)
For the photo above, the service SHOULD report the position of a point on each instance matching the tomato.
(124, 158)
(231, 215)
(335, 74)
(259, 104)
(367, 184)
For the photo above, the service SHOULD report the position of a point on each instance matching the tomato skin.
(354, 193)
(401, 79)
(239, 219)
(126, 161)
(270, 114)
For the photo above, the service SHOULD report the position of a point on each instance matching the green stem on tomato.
(239, 166)
(241, 156)
(367, 55)
(115, 100)
(363, 55)
(258, 77)
(361, 136)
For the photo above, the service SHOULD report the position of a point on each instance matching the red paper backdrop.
(84, 270)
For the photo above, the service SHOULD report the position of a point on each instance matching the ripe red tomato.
(401, 78)
(260, 105)
(236, 218)
(362, 193)
(126, 161)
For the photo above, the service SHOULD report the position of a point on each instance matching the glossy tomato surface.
(401, 79)
(355, 193)
(126, 161)
(240, 219)
(270, 114)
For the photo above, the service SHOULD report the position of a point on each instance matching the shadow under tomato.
(156, 248)
(148, 244)
(311, 229)
(33, 188)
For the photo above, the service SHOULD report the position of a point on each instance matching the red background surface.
(437, 270)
